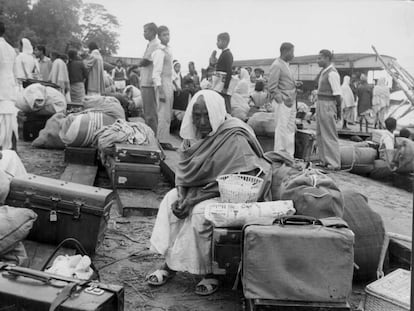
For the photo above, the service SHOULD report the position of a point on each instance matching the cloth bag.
(15, 225)
(369, 231)
(313, 194)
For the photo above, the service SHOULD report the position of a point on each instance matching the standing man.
(225, 64)
(45, 64)
(328, 110)
(163, 82)
(282, 92)
(119, 76)
(147, 85)
(364, 93)
(94, 64)
(8, 112)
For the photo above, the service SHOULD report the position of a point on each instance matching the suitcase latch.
(53, 212)
(77, 210)
(28, 195)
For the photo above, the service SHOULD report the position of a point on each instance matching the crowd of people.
(215, 143)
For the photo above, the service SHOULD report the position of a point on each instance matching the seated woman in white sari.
(214, 144)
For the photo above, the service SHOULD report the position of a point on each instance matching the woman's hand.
(182, 210)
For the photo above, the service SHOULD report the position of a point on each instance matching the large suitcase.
(64, 209)
(300, 259)
(132, 175)
(144, 154)
(24, 289)
(226, 251)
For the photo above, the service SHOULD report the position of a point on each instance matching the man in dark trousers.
(225, 64)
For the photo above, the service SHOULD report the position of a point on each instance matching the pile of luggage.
(306, 259)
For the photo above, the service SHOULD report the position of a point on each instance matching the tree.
(98, 25)
(14, 14)
(56, 22)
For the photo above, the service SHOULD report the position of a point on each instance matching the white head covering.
(348, 99)
(244, 75)
(216, 113)
(27, 47)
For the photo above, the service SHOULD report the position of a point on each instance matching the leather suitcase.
(226, 251)
(24, 289)
(144, 154)
(132, 175)
(300, 259)
(305, 145)
(81, 155)
(64, 209)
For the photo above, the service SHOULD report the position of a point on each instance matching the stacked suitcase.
(64, 209)
(299, 262)
(24, 289)
(135, 166)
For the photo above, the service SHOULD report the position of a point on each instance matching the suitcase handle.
(80, 249)
(137, 155)
(40, 275)
(297, 220)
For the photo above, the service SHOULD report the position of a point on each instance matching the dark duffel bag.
(24, 289)
(64, 209)
(369, 231)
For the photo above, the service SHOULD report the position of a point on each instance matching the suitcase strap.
(64, 294)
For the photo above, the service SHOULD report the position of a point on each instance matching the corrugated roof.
(307, 59)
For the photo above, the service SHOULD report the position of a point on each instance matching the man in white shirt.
(328, 110)
(282, 90)
(8, 112)
(45, 63)
(387, 141)
(162, 78)
(147, 86)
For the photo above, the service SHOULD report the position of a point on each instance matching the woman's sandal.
(161, 276)
(210, 286)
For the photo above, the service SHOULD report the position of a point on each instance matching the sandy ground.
(124, 257)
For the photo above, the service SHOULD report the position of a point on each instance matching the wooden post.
(412, 258)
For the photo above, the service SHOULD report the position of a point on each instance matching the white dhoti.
(11, 164)
(185, 243)
(285, 118)
(165, 104)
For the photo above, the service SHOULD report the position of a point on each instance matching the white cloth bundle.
(123, 132)
(239, 214)
(77, 266)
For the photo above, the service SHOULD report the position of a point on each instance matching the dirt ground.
(124, 257)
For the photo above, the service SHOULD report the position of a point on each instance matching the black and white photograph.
(206, 155)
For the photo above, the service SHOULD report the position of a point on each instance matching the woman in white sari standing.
(348, 103)
(26, 63)
(380, 102)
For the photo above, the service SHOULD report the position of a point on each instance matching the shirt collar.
(226, 49)
(330, 66)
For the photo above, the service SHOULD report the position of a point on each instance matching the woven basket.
(239, 188)
(390, 293)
